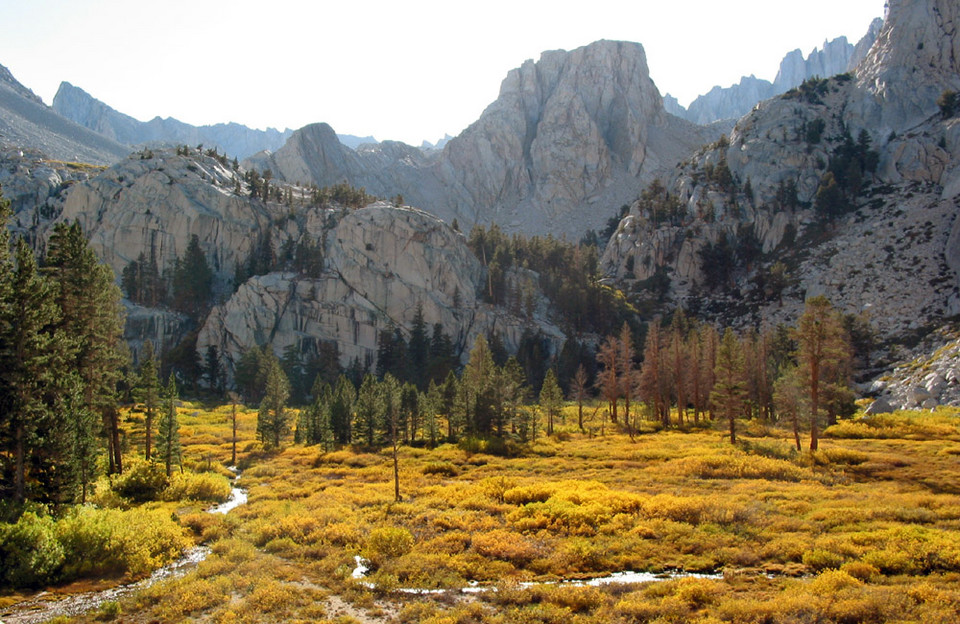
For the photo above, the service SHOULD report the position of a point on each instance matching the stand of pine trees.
(61, 357)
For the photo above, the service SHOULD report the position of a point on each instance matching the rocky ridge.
(929, 377)
(380, 262)
(894, 255)
(568, 140)
(77, 105)
(730, 103)
(27, 124)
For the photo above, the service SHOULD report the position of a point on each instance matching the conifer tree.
(418, 350)
(579, 390)
(341, 410)
(551, 399)
(168, 429)
(654, 374)
(93, 319)
(476, 383)
(147, 391)
(32, 356)
(729, 392)
(272, 420)
(369, 411)
(823, 349)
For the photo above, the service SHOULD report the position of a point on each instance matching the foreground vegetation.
(867, 529)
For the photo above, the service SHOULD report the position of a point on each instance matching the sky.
(404, 70)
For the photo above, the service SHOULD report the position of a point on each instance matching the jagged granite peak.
(730, 103)
(568, 141)
(571, 133)
(598, 100)
(863, 46)
(26, 123)
(232, 138)
(6, 77)
(832, 59)
(915, 58)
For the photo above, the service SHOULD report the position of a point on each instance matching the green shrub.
(142, 482)
(30, 554)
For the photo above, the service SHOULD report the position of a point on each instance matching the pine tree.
(729, 392)
(147, 391)
(32, 357)
(213, 370)
(579, 390)
(168, 429)
(192, 280)
(370, 410)
(654, 374)
(418, 350)
(272, 420)
(823, 349)
(93, 318)
(341, 410)
(476, 382)
(551, 399)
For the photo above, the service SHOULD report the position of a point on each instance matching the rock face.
(729, 103)
(154, 205)
(925, 380)
(568, 140)
(26, 123)
(915, 58)
(77, 105)
(381, 264)
(894, 256)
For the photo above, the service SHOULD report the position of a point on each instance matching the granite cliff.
(379, 263)
(568, 140)
(762, 197)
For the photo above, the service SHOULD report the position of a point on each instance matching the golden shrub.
(387, 543)
(505, 545)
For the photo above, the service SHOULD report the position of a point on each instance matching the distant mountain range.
(733, 102)
(233, 139)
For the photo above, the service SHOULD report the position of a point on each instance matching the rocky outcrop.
(153, 205)
(382, 263)
(916, 57)
(729, 103)
(568, 140)
(894, 256)
(26, 123)
(927, 378)
(237, 140)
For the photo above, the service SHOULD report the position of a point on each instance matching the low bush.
(30, 553)
(141, 482)
(205, 486)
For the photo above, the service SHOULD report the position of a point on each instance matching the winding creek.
(47, 605)
(361, 570)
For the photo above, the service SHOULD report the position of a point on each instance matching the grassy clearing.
(865, 530)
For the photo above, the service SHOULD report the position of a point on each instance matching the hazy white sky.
(406, 70)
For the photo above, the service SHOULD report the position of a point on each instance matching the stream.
(48, 604)
(616, 578)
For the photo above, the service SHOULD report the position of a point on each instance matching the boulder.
(879, 406)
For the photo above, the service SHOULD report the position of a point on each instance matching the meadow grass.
(865, 530)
